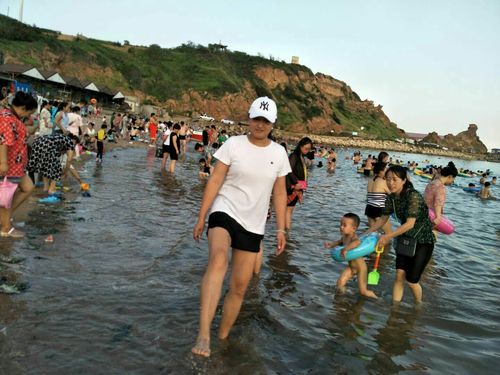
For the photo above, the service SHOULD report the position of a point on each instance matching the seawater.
(118, 290)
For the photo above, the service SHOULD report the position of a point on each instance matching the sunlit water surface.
(117, 292)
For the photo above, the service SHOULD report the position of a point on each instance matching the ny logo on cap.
(264, 106)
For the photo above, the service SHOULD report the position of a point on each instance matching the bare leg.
(242, 270)
(25, 189)
(164, 161)
(345, 276)
(171, 167)
(288, 219)
(22, 193)
(258, 260)
(416, 289)
(211, 285)
(52, 187)
(399, 284)
(45, 184)
(360, 266)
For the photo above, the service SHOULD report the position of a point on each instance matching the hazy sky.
(433, 65)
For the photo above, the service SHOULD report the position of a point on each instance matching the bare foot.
(202, 347)
(340, 289)
(369, 293)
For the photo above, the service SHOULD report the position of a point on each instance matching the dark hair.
(75, 109)
(24, 100)
(449, 170)
(198, 146)
(44, 103)
(304, 141)
(177, 127)
(61, 106)
(182, 122)
(202, 160)
(382, 155)
(152, 114)
(73, 138)
(104, 126)
(354, 218)
(486, 184)
(471, 184)
(402, 174)
(494, 178)
(378, 167)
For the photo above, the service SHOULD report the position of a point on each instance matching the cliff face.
(466, 141)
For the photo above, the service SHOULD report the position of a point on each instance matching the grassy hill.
(163, 76)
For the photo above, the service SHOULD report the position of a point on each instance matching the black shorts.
(373, 212)
(414, 266)
(173, 155)
(293, 202)
(367, 172)
(182, 137)
(166, 149)
(241, 239)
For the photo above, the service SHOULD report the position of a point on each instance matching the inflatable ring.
(445, 226)
(472, 189)
(367, 246)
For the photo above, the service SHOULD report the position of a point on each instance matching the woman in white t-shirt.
(249, 168)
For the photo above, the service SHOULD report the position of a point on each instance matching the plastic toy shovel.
(374, 276)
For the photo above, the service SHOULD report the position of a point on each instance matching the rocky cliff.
(466, 141)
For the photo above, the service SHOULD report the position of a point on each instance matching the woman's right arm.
(57, 121)
(213, 185)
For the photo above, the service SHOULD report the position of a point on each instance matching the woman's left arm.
(279, 202)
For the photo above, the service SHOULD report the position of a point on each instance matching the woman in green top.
(411, 211)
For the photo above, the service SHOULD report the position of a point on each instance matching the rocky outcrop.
(466, 141)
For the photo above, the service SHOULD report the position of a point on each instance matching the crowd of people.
(246, 173)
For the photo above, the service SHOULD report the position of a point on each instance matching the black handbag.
(159, 152)
(404, 244)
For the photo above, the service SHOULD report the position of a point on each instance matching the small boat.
(197, 136)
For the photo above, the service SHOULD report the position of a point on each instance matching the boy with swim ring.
(348, 226)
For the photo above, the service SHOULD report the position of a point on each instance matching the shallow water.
(117, 292)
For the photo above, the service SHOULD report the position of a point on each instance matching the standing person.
(45, 119)
(435, 191)
(205, 136)
(75, 126)
(101, 136)
(14, 156)
(174, 148)
(153, 128)
(61, 121)
(249, 168)
(376, 195)
(413, 214)
(166, 145)
(296, 181)
(183, 136)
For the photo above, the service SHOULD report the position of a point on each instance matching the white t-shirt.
(166, 134)
(249, 182)
(75, 122)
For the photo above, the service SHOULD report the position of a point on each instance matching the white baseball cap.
(263, 107)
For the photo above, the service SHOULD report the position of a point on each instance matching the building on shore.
(50, 84)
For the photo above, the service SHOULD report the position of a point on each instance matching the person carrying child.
(357, 267)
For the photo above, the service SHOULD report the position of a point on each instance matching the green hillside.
(162, 74)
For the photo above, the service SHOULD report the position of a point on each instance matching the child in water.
(348, 226)
(204, 171)
(485, 192)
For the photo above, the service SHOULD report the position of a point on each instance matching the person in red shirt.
(153, 129)
(14, 156)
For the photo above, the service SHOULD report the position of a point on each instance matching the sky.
(432, 65)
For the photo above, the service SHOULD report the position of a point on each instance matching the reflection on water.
(117, 291)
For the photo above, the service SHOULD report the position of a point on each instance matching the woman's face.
(260, 128)
(304, 150)
(66, 109)
(394, 183)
